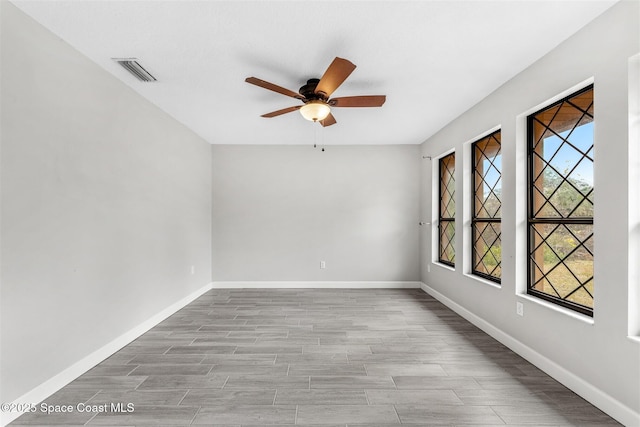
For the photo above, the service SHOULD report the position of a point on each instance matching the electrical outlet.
(323, 264)
(519, 309)
(193, 269)
(428, 268)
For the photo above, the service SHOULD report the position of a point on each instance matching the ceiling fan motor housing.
(308, 91)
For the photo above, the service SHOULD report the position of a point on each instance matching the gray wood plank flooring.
(318, 358)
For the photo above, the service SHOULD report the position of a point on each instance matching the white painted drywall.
(599, 352)
(106, 204)
(280, 210)
(634, 196)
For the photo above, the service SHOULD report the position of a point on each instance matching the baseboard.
(592, 394)
(60, 380)
(315, 285)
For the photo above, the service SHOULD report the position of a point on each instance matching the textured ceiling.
(433, 59)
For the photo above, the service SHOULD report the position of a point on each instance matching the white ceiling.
(433, 59)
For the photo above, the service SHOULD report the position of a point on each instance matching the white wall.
(597, 356)
(106, 203)
(634, 196)
(279, 210)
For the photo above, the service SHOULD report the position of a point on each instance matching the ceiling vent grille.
(132, 66)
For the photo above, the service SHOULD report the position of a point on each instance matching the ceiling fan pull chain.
(315, 137)
(316, 130)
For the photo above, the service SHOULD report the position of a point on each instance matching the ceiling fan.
(315, 94)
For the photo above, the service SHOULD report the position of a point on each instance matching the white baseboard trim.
(592, 394)
(315, 285)
(60, 380)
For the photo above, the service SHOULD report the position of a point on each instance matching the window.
(447, 210)
(486, 250)
(560, 205)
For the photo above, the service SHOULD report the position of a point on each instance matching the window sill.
(483, 280)
(634, 339)
(570, 313)
(445, 266)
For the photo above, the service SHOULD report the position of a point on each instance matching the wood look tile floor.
(318, 358)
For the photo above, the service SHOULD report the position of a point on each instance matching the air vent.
(132, 66)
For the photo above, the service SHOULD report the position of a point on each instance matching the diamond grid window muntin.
(486, 248)
(542, 165)
(447, 210)
(560, 203)
(560, 273)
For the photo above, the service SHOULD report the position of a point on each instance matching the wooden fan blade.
(335, 75)
(271, 86)
(280, 112)
(359, 101)
(328, 121)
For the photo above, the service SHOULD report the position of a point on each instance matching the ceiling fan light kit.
(315, 94)
(315, 111)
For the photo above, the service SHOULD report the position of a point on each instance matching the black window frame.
(475, 220)
(532, 220)
(447, 220)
